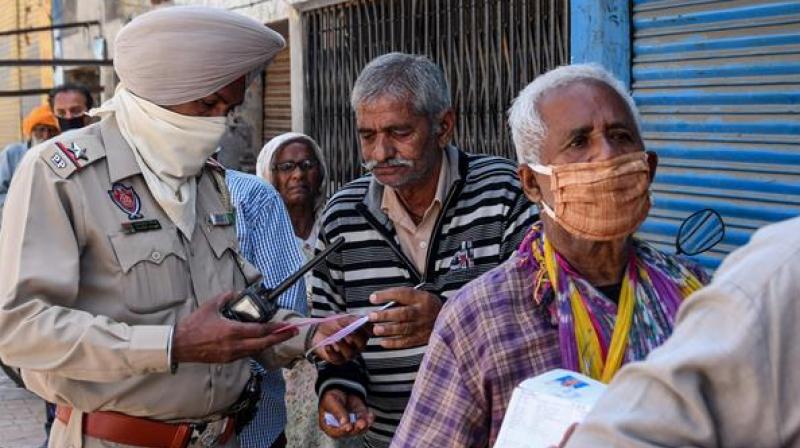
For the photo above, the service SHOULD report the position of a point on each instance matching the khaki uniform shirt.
(415, 238)
(728, 375)
(87, 310)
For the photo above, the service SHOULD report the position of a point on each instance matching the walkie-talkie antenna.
(286, 284)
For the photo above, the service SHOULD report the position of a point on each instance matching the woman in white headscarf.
(293, 163)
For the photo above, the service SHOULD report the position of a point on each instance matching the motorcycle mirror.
(698, 233)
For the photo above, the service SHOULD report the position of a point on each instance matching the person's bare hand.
(410, 322)
(347, 348)
(341, 404)
(208, 337)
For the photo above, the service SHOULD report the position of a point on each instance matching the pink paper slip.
(297, 323)
(341, 334)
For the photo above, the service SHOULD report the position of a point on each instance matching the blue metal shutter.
(718, 87)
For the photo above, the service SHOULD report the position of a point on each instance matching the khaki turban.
(179, 54)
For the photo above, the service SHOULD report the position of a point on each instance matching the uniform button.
(219, 369)
(423, 244)
(156, 255)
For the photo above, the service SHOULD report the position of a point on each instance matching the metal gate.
(718, 85)
(489, 50)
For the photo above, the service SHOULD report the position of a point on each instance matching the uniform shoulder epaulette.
(66, 157)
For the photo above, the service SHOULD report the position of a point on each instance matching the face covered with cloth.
(583, 162)
(182, 70)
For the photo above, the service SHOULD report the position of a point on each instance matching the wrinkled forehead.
(582, 102)
(386, 102)
(386, 111)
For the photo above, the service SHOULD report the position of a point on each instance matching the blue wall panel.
(718, 87)
(600, 32)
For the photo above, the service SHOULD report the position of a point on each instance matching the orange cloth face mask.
(599, 201)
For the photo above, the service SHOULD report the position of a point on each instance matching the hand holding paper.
(330, 420)
(354, 326)
(409, 324)
(341, 339)
(343, 414)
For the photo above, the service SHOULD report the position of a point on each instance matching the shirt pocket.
(155, 274)
(225, 247)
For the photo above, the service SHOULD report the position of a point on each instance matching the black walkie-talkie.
(256, 303)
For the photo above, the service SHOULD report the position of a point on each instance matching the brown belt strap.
(182, 435)
(127, 430)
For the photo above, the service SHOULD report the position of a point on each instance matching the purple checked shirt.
(488, 339)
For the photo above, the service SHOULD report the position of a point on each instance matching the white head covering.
(179, 54)
(267, 157)
(171, 56)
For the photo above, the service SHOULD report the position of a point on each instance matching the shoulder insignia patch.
(126, 199)
(74, 153)
(67, 158)
(58, 161)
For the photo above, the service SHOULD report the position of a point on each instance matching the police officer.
(118, 250)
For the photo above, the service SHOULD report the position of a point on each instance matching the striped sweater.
(483, 219)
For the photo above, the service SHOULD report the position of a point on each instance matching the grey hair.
(404, 77)
(527, 127)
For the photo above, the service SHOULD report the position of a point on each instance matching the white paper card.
(543, 407)
(330, 420)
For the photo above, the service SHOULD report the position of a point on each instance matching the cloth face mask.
(599, 201)
(66, 124)
(170, 148)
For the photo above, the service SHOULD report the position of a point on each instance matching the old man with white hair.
(581, 293)
(119, 250)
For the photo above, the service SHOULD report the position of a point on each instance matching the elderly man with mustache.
(428, 219)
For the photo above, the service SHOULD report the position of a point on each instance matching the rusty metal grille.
(489, 50)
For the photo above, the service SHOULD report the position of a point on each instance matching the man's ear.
(447, 126)
(652, 162)
(529, 184)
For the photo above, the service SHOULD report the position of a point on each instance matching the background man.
(38, 126)
(429, 219)
(66, 109)
(70, 102)
(121, 249)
